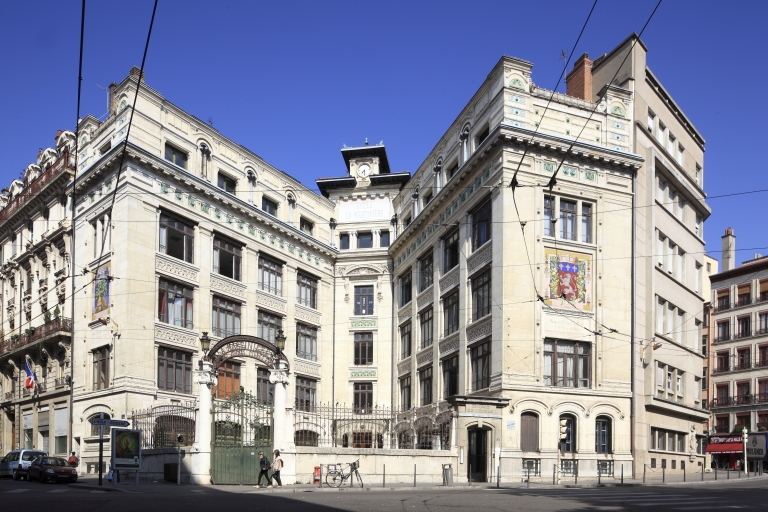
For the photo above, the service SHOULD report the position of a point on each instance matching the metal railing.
(17, 341)
(746, 399)
(162, 425)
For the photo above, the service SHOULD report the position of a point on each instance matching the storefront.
(756, 451)
(726, 451)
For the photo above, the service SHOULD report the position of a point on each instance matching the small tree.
(57, 312)
(739, 429)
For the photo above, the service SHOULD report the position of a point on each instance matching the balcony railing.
(743, 301)
(742, 334)
(18, 341)
(723, 339)
(722, 306)
(33, 189)
(746, 399)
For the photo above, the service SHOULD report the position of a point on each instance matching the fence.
(162, 425)
(425, 428)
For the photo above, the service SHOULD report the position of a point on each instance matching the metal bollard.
(384, 478)
(554, 471)
(643, 473)
(663, 475)
(683, 474)
(498, 476)
(728, 473)
(321, 476)
(622, 474)
(414, 475)
(598, 476)
(702, 472)
(739, 474)
(470, 474)
(715, 473)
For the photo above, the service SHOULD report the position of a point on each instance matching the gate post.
(282, 428)
(201, 461)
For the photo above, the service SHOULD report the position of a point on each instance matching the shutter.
(60, 422)
(529, 432)
(42, 420)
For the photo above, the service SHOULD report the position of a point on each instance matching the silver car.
(17, 462)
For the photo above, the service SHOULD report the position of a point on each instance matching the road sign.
(109, 423)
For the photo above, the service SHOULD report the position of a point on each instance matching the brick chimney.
(136, 71)
(729, 250)
(578, 83)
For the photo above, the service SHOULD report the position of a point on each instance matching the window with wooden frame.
(480, 357)
(174, 370)
(450, 251)
(481, 225)
(100, 368)
(177, 239)
(426, 325)
(175, 304)
(405, 340)
(426, 273)
(306, 290)
(567, 219)
(363, 300)
(450, 376)
(425, 386)
(451, 313)
(227, 258)
(306, 342)
(225, 317)
(744, 295)
(529, 432)
(603, 434)
(226, 183)
(270, 276)
(722, 361)
(228, 380)
(567, 363)
(306, 394)
(363, 349)
(405, 393)
(268, 326)
(269, 206)
(481, 295)
(406, 288)
(363, 397)
(176, 156)
(723, 300)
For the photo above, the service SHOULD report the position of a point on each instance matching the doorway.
(477, 458)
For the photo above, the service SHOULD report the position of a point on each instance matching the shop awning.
(725, 444)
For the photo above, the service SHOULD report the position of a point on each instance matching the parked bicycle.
(336, 477)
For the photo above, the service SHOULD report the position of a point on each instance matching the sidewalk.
(652, 479)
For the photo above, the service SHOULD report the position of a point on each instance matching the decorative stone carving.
(167, 265)
(479, 329)
(363, 374)
(168, 333)
(449, 280)
(364, 323)
(307, 315)
(270, 301)
(424, 357)
(480, 258)
(403, 366)
(227, 287)
(425, 298)
(449, 344)
(308, 369)
(405, 313)
(362, 271)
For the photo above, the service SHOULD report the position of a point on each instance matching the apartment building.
(739, 347)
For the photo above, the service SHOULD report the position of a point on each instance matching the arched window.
(567, 434)
(529, 432)
(603, 434)
(95, 428)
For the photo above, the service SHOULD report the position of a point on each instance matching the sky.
(294, 81)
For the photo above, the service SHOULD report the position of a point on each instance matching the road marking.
(57, 490)
(677, 502)
(16, 491)
(706, 507)
(97, 492)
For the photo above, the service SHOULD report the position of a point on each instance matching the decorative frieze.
(364, 323)
(405, 313)
(478, 260)
(450, 344)
(308, 315)
(369, 373)
(172, 334)
(403, 367)
(306, 368)
(479, 329)
(424, 357)
(227, 287)
(425, 298)
(268, 301)
(175, 268)
(449, 280)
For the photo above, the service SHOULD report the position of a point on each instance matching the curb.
(106, 488)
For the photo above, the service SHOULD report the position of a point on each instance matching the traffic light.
(564, 429)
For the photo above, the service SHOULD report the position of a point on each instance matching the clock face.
(364, 170)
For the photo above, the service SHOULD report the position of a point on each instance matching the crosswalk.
(644, 499)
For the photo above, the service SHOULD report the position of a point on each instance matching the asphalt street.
(744, 495)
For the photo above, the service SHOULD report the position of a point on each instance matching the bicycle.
(336, 477)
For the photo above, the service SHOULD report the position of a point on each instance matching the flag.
(31, 379)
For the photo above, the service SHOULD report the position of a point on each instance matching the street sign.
(109, 423)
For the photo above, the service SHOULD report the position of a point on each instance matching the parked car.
(17, 462)
(54, 469)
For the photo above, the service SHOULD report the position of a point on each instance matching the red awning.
(725, 444)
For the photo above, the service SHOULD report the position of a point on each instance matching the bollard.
(728, 473)
(414, 475)
(683, 474)
(663, 475)
(554, 470)
(598, 476)
(384, 478)
(321, 476)
(739, 474)
(470, 474)
(622, 474)
(715, 473)
(643, 473)
(702, 472)
(498, 476)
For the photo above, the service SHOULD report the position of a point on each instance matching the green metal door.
(242, 427)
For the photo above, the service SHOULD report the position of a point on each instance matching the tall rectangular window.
(177, 239)
(227, 380)
(100, 228)
(225, 317)
(451, 251)
(567, 219)
(481, 225)
(101, 368)
(363, 348)
(425, 272)
(306, 394)
(427, 328)
(384, 239)
(174, 370)
(406, 288)
(405, 340)
(450, 376)
(227, 259)
(586, 223)
(306, 226)
(549, 216)
(405, 393)
(264, 389)
(306, 342)
(270, 276)
(306, 290)
(451, 313)
(481, 295)
(269, 206)
(363, 300)
(174, 304)
(268, 326)
(226, 183)
(176, 156)
(425, 386)
(363, 397)
(480, 355)
(365, 240)
(567, 363)
(344, 241)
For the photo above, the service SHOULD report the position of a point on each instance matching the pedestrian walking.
(277, 465)
(264, 466)
(73, 460)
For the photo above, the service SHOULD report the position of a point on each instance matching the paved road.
(168, 498)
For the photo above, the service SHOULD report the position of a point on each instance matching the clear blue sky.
(293, 81)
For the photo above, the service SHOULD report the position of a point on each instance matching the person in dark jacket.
(264, 466)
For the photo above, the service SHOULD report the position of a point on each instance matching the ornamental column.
(200, 472)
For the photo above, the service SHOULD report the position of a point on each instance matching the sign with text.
(126, 449)
(756, 446)
(109, 423)
(364, 210)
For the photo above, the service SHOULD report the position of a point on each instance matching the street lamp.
(205, 343)
(744, 436)
(280, 341)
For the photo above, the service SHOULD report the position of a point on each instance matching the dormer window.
(269, 206)
(226, 183)
(176, 156)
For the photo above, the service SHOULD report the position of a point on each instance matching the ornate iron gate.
(242, 427)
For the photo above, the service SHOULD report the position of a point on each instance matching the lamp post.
(205, 343)
(744, 436)
(201, 463)
(279, 377)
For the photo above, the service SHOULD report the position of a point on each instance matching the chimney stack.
(729, 250)
(578, 83)
(135, 72)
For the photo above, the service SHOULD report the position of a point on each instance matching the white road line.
(706, 507)
(16, 491)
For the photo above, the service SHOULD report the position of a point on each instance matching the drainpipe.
(632, 401)
(333, 351)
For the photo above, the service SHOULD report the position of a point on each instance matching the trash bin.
(447, 474)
